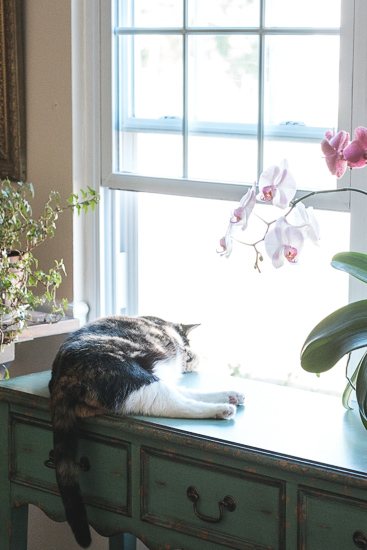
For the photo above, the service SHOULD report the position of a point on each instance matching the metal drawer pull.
(50, 462)
(228, 503)
(360, 540)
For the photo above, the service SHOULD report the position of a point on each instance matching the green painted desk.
(288, 472)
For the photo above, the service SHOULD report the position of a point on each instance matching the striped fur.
(114, 365)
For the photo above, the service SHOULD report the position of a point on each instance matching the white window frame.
(198, 188)
(93, 147)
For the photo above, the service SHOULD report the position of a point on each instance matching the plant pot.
(9, 322)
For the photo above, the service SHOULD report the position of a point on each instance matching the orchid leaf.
(361, 387)
(347, 394)
(338, 334)
(353, 263)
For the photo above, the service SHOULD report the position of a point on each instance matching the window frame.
(92, 149)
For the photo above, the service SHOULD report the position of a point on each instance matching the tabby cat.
(114, 365)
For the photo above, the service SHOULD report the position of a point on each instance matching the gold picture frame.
(12, 93)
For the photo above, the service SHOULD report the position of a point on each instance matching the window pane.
(313, 13)
(300, 88)
(223, 88)
(222, 159)
(152, 66)
(224, 13)
(151, 91)
(306, 162)
(223, 78)
(151, 13)
(255, 323)
(151, 154)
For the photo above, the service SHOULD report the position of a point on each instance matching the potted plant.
(24, 286)
(340, 333)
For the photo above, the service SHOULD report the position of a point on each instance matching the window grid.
(182, 127)
(220, 188)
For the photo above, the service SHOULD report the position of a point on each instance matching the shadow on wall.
(35, 356)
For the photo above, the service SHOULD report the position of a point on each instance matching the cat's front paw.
(226, 412)
(236, 398)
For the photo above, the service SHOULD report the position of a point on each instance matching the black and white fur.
(117, 365)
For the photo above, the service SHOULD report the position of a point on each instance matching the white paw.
(225, 412)
(236, 398)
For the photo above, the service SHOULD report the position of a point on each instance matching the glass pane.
(151, 76)
(306, 162)
(250, 322)
(151, 13)
(224, 13)
(222, 159)
(223, 88)
(300, 87)
(151, 154)
(223, 78)
(313, 13)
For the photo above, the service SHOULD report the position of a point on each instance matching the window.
(215, 91)
(198, 97)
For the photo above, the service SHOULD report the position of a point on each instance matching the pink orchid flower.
(333, 146)
(284, 242)
(307, 222)
(356, 152)
(278, 185)
(241, 214)
(226, 243)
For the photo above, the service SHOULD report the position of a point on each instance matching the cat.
(114, 365)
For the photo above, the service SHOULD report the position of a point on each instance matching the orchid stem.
(338, 190)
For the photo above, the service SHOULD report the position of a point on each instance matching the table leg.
(13, 519)
(19, 528)
(122, 542)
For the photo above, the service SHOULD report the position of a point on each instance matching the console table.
(289, 472)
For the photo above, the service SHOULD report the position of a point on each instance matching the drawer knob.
(50, 462)
(360, 540)
(227, 503)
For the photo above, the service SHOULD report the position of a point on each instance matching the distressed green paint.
(293, 462)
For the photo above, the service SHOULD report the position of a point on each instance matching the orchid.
(308, 222)
(242, 213)
(278, 185)
(284, 242)
(333, 148)
(226, 243)
(356, 152)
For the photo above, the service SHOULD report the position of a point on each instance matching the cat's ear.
(188, 328)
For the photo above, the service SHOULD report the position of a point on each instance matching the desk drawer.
(257, 520)
(327, 520)
(104, 483)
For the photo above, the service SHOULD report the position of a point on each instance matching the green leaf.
(347, 394)
(353, 263)
(341, 332)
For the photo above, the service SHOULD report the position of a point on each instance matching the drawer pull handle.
(228, 503)
(50, 462)
(360, 540)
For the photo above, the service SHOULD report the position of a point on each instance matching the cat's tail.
(65, 450)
